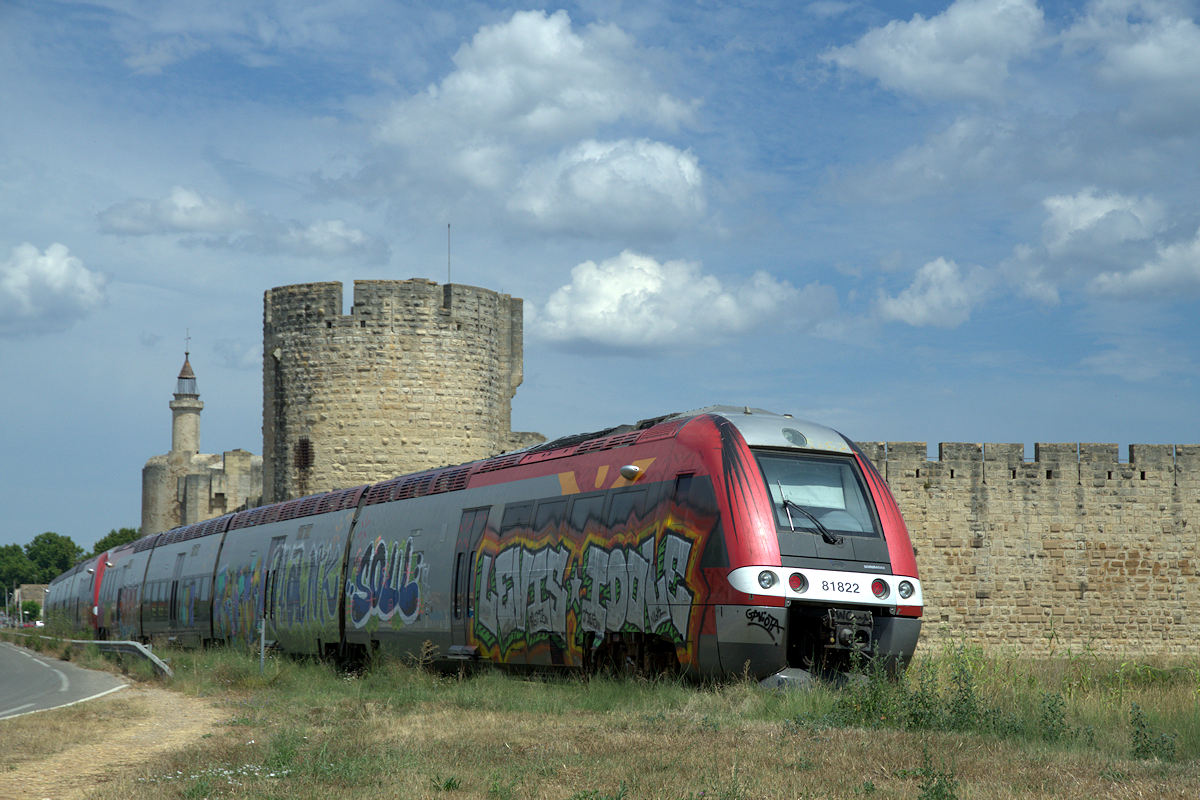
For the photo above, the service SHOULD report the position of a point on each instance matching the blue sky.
(967, 221)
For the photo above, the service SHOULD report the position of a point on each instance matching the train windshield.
(820, 494)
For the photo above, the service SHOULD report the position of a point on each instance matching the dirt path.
(148, 722)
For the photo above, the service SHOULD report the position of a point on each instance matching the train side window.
(585, 509)
(549, 514)
(627, 504)
(516, 516)
(472, 524)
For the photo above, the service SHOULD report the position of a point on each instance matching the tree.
(31, 608)
(52, 554)
(15, 566)
(116, 538)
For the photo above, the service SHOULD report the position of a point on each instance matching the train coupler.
(849, 629)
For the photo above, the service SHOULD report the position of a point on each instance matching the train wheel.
(634, 655)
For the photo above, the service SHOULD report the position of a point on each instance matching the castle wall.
(1074, 550)
(417, 375)
(182, 488)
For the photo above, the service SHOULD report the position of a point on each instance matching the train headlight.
(766, 579)
(798, 582)
(906, 589)
(879, 588)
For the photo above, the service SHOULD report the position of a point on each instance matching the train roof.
(762, 428)
(759, 427)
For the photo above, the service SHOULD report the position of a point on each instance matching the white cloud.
(1027, 271)
(221, 225)
(1089, 220)
(331, 237)
(939, 296)
(518, 120)
(612, 187)
(634, 302)
(1151, 49)
(1175, 269)
(964, 52)
(1085, 235)
(535, 78)
(182, 211)
(1166, 52)
(968, 150)
(45, 292)
(1140, 41)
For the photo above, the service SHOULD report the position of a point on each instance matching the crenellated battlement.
(993, 462)
(1074, 549)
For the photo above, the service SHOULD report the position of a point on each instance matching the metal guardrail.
(131, 648)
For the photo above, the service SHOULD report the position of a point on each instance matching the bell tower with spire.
(185, 411)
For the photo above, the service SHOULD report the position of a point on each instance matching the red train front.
(727, 540)
(820, 566)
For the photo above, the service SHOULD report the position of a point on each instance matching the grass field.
(958, 725)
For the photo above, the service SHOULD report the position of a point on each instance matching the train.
(718, 542)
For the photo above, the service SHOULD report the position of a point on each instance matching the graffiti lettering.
(308, 581)
(529, 595)
(765, 620)
(386, 583)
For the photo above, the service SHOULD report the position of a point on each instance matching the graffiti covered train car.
(720, 541)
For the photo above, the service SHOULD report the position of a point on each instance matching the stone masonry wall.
(417, 375)
(1075, 550)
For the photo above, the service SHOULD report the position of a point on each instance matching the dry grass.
(37, 736)
(432, 753)
(959, 726)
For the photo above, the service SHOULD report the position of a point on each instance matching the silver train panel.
(304, 583)
(177, 592)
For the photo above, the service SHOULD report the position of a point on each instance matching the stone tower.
(185, 485)
(185, 411)
(417, 375)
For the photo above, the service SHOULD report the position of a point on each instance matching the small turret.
(185, 411)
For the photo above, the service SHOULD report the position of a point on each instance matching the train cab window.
(627, 504)
(816, 493)
(586, 509)
(549, 514)
(516, 515)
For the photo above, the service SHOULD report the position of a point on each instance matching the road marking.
(12, 712)
(64, 685)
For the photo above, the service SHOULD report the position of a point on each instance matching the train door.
(470, 528)
(271, 569)
(173, 607)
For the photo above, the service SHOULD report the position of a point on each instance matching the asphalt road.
(31, 682)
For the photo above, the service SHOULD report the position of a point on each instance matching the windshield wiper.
(826, 534)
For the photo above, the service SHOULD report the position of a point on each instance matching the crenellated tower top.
(417, 375)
